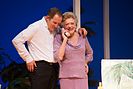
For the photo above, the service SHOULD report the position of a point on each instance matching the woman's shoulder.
(81, 37)
(58, 37)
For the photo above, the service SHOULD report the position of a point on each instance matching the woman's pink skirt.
(74, 83)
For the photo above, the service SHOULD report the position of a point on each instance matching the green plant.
(16, 75)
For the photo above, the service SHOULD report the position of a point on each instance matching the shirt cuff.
(29, 60)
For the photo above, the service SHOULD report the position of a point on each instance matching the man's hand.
(82, 31)
(31, 66)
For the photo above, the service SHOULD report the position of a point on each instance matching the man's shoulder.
(37, 22)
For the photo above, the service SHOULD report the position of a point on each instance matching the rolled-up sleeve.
(19, 43)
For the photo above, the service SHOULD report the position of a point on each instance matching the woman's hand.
(65, 34)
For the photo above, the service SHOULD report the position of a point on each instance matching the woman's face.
(70, 25)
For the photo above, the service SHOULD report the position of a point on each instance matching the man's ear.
(47, 17)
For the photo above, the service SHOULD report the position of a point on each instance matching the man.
(39, 55)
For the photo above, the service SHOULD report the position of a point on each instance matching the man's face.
(54, 22)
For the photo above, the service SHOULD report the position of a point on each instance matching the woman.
(73, 52)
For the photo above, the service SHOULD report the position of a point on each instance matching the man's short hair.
(53, 11)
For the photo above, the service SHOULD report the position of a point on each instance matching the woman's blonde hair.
(68, 15)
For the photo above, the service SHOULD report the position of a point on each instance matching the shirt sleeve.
(88, 51)
(19, 42)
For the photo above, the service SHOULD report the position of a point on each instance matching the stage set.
(105, 72)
